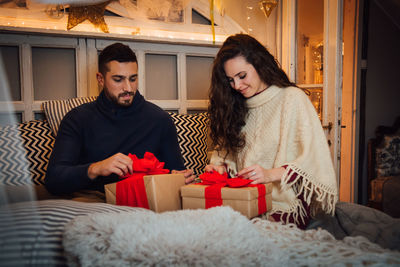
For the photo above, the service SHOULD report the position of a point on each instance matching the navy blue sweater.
(95, 131)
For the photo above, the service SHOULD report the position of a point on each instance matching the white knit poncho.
(282, 128)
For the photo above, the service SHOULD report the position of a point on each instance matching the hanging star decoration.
(267, 6)
(93, 13)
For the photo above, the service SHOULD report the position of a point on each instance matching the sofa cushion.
(55, 110)
(24, 152)
(192, 139)
(31, 232)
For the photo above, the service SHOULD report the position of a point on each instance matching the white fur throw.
(215, 237)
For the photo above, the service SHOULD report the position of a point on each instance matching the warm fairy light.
(131, 31)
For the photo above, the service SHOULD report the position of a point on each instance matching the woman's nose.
(236, 84)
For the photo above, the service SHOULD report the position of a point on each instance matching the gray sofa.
(32, 222)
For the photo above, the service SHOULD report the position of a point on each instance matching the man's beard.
(115, 99)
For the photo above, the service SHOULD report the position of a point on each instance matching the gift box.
(148, 186)
(162, 192)
(250, 200)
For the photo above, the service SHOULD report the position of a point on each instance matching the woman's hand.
(189, 176)
(259, 175)
(218, 168)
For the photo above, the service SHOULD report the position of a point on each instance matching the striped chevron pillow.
(55, 110)
(192, 139)
(24, 152)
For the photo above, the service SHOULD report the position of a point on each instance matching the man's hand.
(119, 164)
(189, 176)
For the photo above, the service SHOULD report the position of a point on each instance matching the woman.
(265, 129)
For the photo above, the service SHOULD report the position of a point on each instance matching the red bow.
(131, 191)
(149, 164)
(216, 181)
(211, 178)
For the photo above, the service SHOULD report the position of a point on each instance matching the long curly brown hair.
(227, 109)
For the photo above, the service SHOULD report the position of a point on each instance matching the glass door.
(310, 50)
(312, 56)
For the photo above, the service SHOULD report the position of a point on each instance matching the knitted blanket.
(215, 237)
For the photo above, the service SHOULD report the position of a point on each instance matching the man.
(94, 139)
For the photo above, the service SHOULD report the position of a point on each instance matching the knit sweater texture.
(95, 131)
(282, 128)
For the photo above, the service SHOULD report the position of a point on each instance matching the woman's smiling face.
(243, 77)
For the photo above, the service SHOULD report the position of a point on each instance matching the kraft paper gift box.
(162, 191)
(246, 200)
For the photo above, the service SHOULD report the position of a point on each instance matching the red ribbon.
(216, 181)
(131, 191)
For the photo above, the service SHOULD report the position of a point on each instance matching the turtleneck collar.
(263, 97)
(109, 107)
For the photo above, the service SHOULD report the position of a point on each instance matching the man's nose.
(128, 87)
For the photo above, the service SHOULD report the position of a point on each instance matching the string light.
(249, 10)
(51, 24)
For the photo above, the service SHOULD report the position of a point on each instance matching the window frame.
(86, 60)
(28, 106)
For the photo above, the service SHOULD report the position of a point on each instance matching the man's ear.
(100, 79)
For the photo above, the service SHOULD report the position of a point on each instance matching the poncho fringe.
(307, 186)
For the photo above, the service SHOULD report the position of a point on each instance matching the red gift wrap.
(131, 191)
(149, 186)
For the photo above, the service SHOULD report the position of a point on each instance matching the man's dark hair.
(118, 52)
